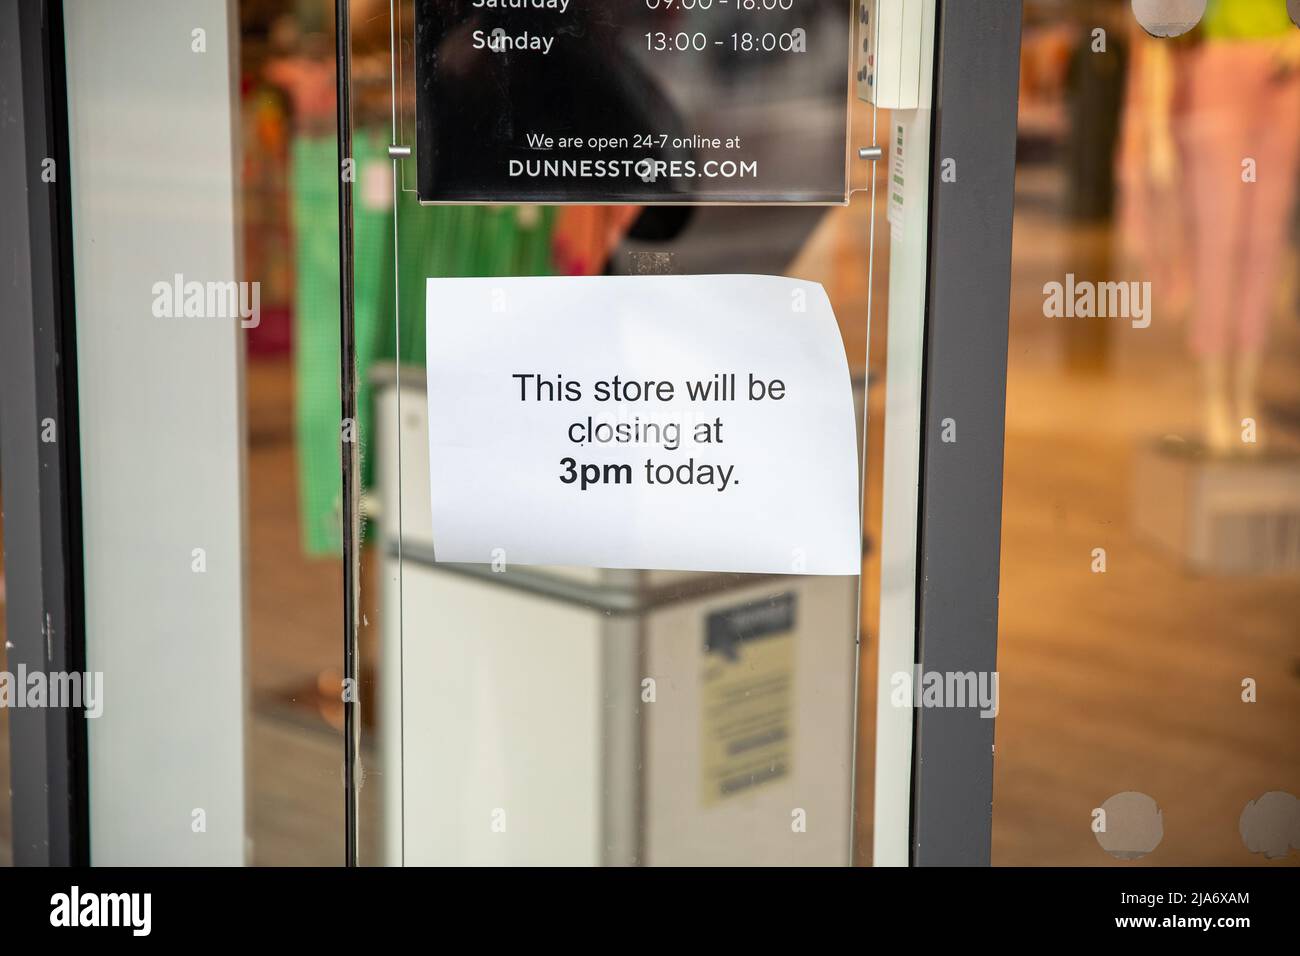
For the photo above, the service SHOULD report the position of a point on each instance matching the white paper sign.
(695, 423)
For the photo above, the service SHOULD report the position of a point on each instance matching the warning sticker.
(747, 685)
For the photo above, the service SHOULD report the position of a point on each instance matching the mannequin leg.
(1275, 143)
(1220, 433)
(1211, 134)
(1246, 394)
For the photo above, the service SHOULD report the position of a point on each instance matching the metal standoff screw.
(399, 152)
(871, 152)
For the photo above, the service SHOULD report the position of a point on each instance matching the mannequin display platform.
(1220, 512)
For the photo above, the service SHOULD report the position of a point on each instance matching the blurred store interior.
(1151, 524)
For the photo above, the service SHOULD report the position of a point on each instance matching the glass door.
(629, 278)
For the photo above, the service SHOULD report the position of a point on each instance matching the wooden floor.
(1128, 680)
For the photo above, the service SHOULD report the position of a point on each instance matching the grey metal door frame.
(964, 376)
(39, 445)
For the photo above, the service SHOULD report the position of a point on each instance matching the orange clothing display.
(585, 236)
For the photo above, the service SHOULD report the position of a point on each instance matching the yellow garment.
(1245, 19)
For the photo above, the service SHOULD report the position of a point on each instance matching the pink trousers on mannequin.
(1238, 108)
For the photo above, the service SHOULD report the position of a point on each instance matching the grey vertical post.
(38, 434)
(349, 447)
(977, 67)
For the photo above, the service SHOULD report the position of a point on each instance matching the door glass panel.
(1151, 525)
(585, 715)
(203, 210)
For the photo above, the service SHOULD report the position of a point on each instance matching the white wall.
(153, 189)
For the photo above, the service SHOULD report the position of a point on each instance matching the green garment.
(1245, 19)
(443, 241)
(314, 178)
(434, 241)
